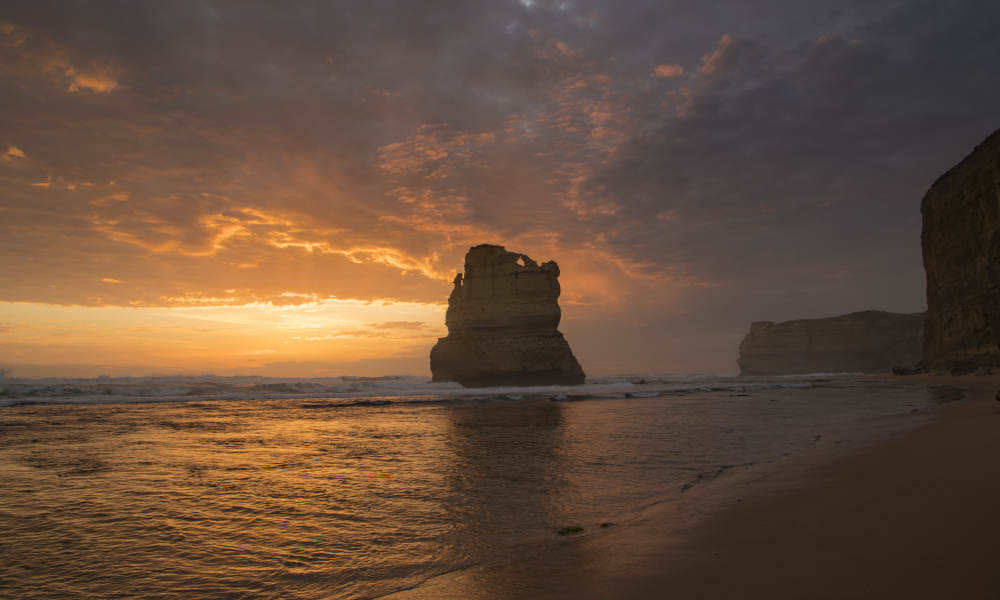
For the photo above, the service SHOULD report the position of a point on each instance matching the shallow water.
(313, 498)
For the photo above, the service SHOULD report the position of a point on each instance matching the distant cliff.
(502, 319)
(870, 341)
(961, 246)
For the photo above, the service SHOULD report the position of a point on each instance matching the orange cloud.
(425, 151)
(667, 71)
(555, 50)
(98, 82)
(37, 54)
(713, 61)
(395, 258)
(209, 234)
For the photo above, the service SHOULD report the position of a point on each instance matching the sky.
(289, 188)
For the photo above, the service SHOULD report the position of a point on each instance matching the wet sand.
(916, 516)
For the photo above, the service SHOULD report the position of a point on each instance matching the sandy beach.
(914, 516)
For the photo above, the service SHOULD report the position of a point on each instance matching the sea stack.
(870, 341)
(961, 246)
(502, 319)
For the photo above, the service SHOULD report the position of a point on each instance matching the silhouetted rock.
(870, 341)
(961, 246)
(502, 319)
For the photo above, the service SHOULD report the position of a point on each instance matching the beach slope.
(917, 516)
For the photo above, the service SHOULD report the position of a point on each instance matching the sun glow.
(213, 338)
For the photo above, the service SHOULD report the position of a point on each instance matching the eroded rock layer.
(502, 323)
(870, 341)
(961, 246)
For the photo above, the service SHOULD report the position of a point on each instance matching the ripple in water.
(308, 498)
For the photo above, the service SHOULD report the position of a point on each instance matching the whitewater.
(347, 390)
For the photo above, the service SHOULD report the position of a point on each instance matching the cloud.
(29, 54)
(794, 172)
(101, 83)
(355, 150)
(730, 54)
(666, 71)
(399, 325)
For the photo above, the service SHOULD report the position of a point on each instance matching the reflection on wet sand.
(506, 474)
(307, 499)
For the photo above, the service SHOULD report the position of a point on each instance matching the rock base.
(500, 359)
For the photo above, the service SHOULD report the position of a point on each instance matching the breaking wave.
(354, 391)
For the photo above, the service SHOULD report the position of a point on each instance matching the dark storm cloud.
(190, 149)
(802, 166)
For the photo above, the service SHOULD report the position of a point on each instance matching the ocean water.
(219, 487)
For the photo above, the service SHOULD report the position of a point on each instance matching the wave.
(358, 391)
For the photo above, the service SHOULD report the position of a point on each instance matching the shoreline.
(913, 517)
(911, 514)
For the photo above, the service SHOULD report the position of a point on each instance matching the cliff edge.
(502, 320)
(869, 341)
(961, 248)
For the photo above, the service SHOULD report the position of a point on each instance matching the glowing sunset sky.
(235, 187)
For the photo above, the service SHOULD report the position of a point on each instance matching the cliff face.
(502, 319)
(961, 246)
(869, 341)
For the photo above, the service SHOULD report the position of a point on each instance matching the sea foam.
(393, 388)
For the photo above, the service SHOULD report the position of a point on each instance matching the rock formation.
(961, 245)
(502, 319)
(870, 341)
